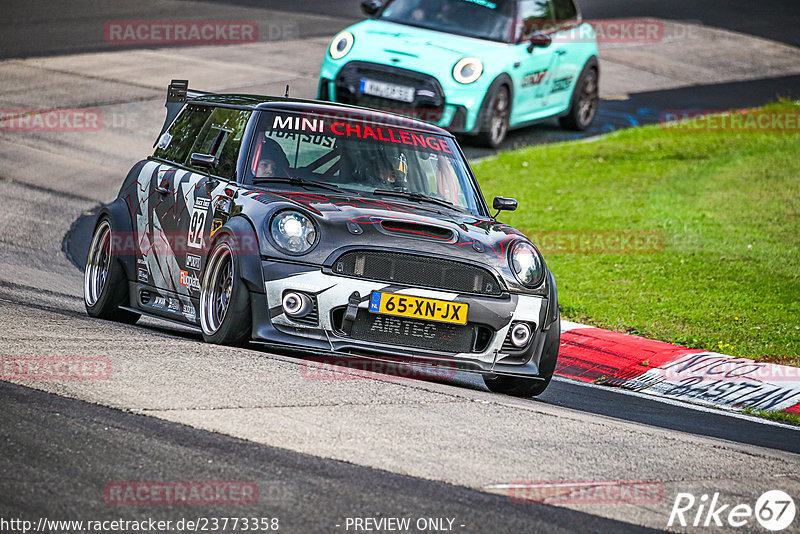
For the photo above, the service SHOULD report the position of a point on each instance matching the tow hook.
(350, 313)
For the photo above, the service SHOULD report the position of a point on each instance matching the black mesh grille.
(412, 333)
(420, 271)
(428, 102)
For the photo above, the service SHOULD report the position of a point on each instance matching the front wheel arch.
(225, 303)
(570, 120)
(483, 137)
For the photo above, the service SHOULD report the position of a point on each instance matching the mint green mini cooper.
(477, 67)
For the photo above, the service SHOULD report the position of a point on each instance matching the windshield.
(484, 19)
(360, 157)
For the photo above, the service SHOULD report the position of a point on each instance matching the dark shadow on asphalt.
(63, 452)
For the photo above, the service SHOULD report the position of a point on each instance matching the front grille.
(429, 100)
(413, 333)
(418, 271)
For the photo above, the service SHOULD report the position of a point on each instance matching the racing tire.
(105, 286)
(225, 315)
(495, 117)
(584, 101)
(527, 387)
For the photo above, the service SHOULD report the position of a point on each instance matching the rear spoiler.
(178, 93)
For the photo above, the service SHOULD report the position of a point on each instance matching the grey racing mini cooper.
(328, 230)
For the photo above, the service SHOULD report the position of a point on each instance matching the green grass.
(783, 417)
(727, 205)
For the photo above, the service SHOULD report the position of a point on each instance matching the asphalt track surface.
(67, 27)
(57, 453)
(74, 448)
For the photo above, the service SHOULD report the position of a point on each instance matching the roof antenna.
(287, 91)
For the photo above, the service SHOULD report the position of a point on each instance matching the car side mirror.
(539, 40)
(504, 204)
(371, 7)
(205, 161)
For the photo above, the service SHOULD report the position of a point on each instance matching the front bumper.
(440, 102)
(324, 331)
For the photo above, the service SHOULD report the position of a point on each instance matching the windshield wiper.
(418, 197)
(296, 181)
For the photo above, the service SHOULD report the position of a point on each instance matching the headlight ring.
(293, 232)
(468, 70)
(527, 264)
(341, 45)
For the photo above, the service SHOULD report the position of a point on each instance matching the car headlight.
(293, 232)
(341, 45)
(527, 264)
(468, 70)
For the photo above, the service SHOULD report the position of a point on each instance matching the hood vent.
(421, 231)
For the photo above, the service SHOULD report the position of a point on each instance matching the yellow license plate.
(442, 311)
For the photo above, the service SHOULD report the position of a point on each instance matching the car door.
(567, 40)
(160, 246)
(198, 212)
(534, 69)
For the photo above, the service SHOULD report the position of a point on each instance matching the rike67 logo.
(774, 510)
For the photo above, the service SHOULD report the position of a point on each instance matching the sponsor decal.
(143, 272)
(340, 128)
(534, 78)
(297, 123)
(193, 262)
(167, 304)
(190, 280)
(189, 312)
(197, 223)
(561, 84)
(216, 224)
(180, 493)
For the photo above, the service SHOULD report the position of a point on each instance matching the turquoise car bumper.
(424, 59)
(412, 56)
(457, 111)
